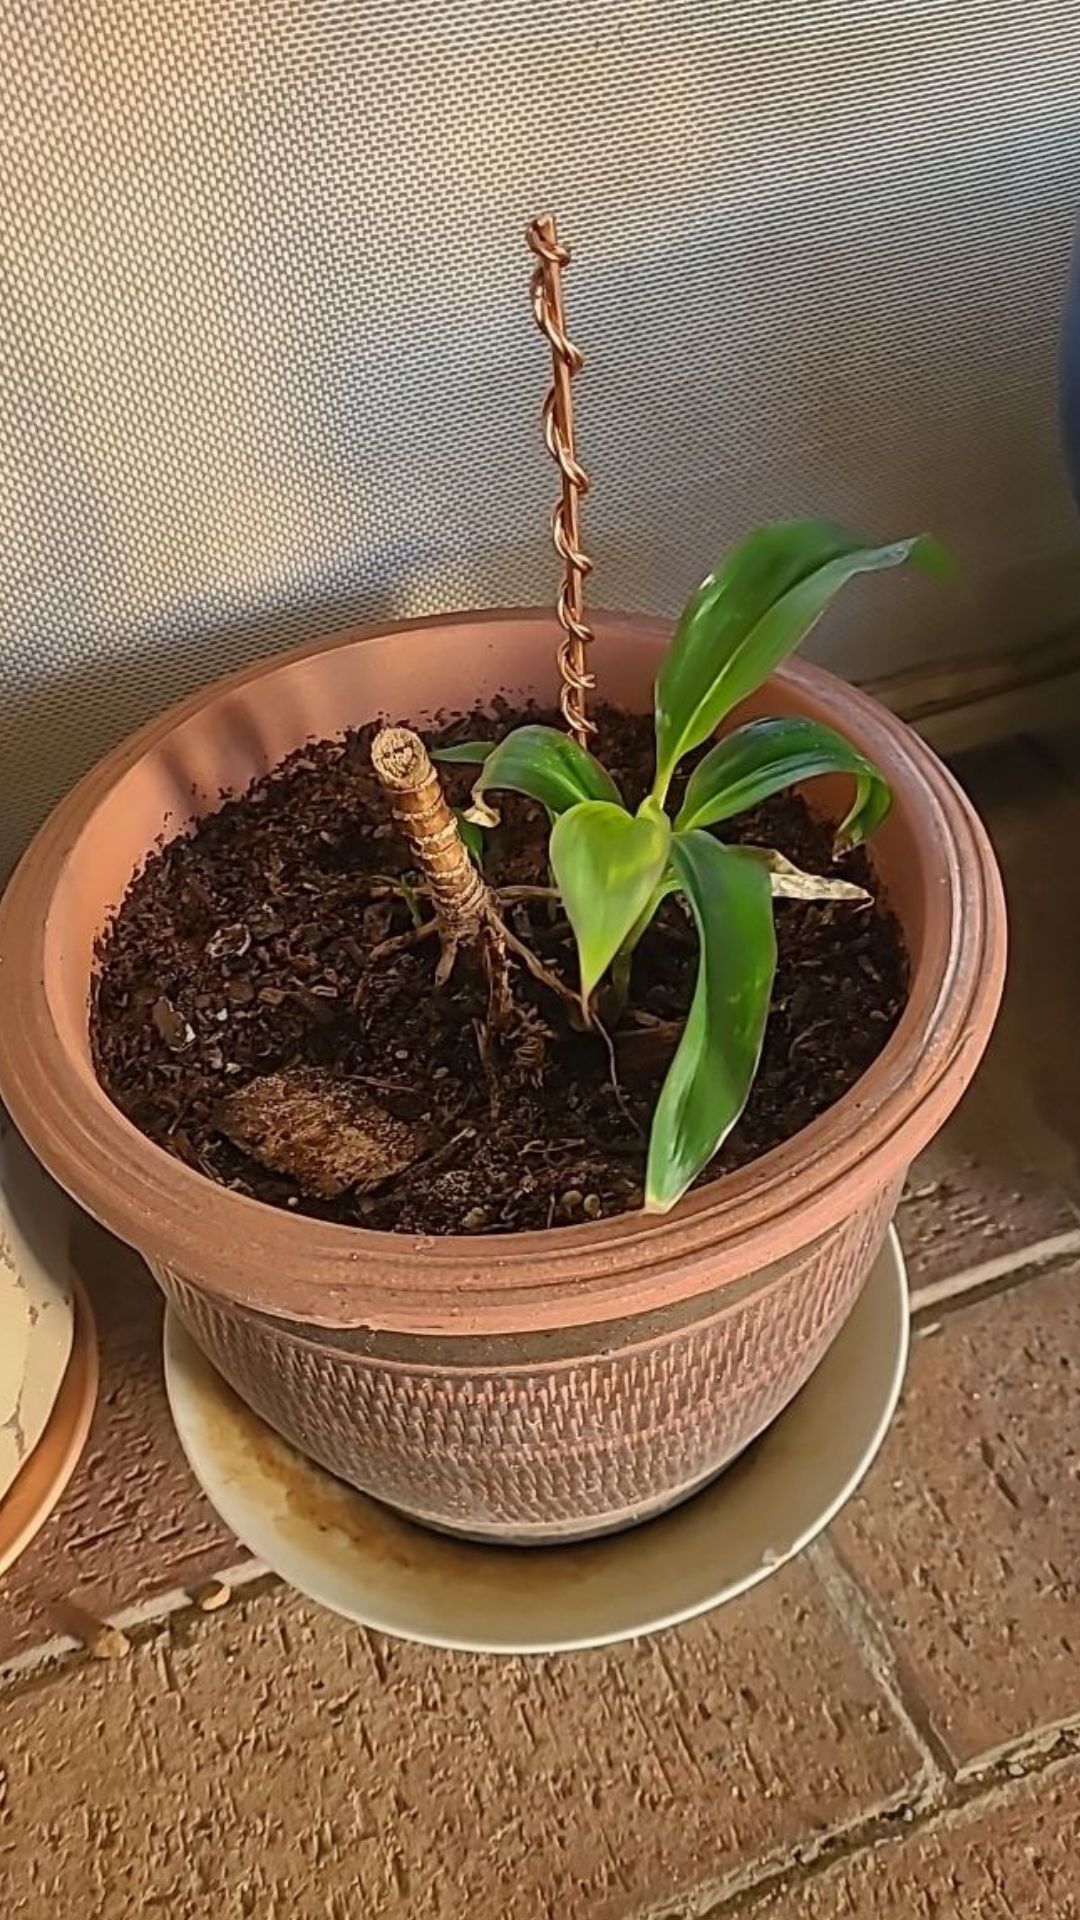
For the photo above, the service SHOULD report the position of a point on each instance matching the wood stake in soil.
(418, 804)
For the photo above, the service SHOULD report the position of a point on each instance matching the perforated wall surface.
(267, 367)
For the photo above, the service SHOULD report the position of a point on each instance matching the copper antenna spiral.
(558, 416)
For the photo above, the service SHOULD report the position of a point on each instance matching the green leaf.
(547, 766)
(768, 755)
(713, 1070)
(746, 618)
(467, 753)
(472, 835)
(607, 864)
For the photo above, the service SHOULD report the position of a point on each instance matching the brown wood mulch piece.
(327, 1134)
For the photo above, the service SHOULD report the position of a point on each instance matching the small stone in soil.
(176, 1032)
(324, 1133)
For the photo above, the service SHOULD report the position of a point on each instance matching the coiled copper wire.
(558, 417)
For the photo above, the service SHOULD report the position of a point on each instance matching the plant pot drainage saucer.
(360, 1559)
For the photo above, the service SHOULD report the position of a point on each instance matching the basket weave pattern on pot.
(516, 1445)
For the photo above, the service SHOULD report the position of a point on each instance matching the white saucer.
(359, 1559)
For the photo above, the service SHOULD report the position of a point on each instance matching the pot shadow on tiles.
(1020, 1116)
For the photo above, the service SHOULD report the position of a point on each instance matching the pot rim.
(292, 1267)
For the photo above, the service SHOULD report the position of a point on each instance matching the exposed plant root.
(401, 942)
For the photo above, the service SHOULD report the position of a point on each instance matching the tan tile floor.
(890, 1728)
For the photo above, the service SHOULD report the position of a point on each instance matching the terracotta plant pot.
(528, 1386)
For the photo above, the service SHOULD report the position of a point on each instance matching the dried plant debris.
(327, 1134)
(789, 882)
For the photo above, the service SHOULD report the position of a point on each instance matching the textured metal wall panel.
(266, 363)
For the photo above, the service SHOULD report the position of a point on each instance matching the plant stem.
(620, 966)
(464, 907)
(620, 979)
(418, 804)
(659, 790)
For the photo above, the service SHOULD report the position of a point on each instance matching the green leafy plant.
(612, 868)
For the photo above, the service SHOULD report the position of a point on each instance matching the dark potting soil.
(248, 948)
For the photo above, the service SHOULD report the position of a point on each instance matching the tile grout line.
(808, 1857)
(848, 1844)
(1026, 1753)
(1030, 1259)
(871, 1642)
(143, 1613)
